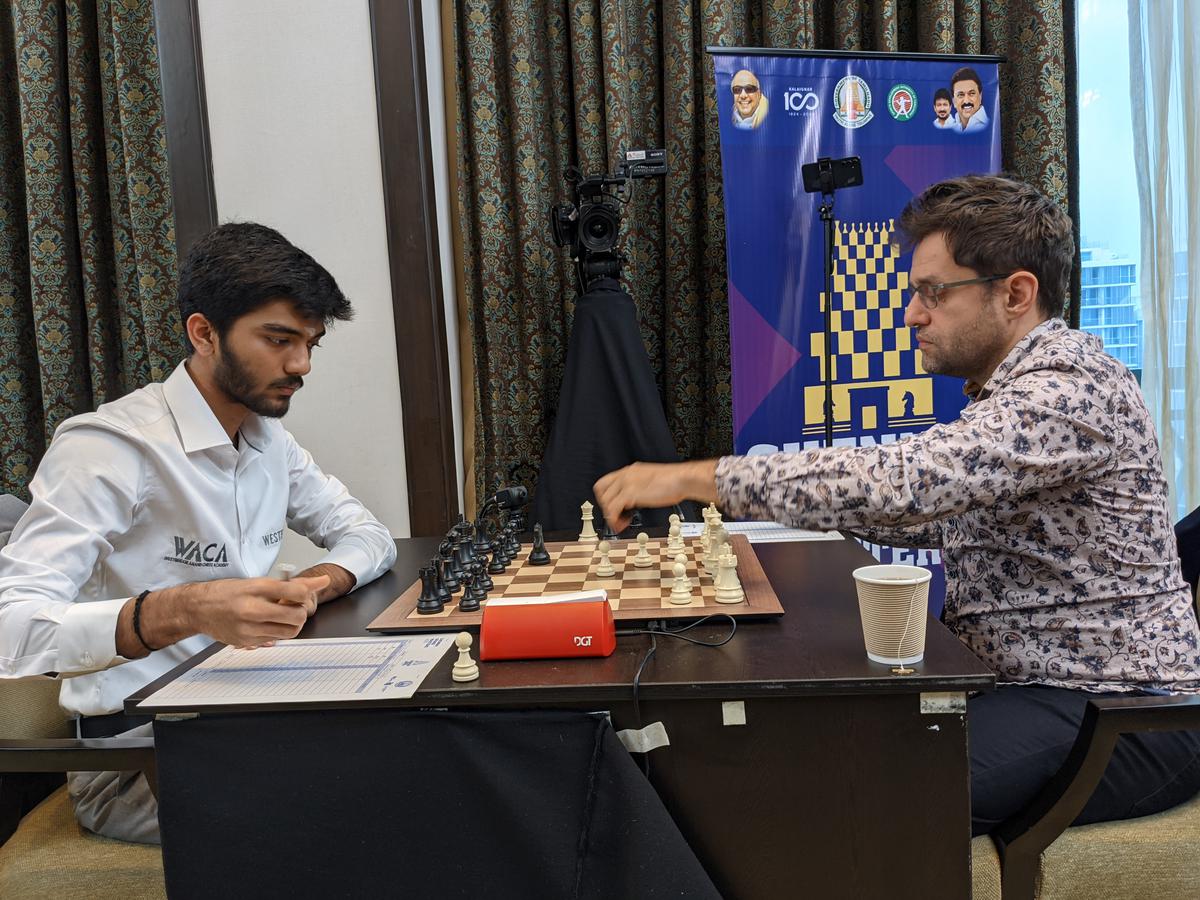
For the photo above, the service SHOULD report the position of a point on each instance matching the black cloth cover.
(408, 803)
(609, 411)
(1187, 536)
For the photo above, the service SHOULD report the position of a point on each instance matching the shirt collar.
(198, 426)
(1020, 350)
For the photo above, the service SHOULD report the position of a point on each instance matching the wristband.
(137, 620)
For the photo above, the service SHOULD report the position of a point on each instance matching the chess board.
(634, 593)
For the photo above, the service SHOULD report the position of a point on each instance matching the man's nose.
(915, 313)
(299, 361)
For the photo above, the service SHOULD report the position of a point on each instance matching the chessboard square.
(667, 604)
(648, 602)
(650, 574)
(446, 610)
(566, 577)
(641, 593)
(574, 566)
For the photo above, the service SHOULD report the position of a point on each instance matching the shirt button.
(87, 659)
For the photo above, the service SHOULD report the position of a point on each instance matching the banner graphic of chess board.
(897, 114)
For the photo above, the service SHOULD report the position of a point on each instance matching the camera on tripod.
(591, 225)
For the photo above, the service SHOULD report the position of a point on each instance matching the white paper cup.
(892, 601)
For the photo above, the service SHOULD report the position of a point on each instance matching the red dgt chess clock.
(547, 627)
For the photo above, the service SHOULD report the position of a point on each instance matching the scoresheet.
(358, 668)
(762, 532)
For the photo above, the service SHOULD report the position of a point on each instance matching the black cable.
(637, 710)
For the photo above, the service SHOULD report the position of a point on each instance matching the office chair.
(1036, 855)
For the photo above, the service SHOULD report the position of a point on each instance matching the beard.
(233, 377)
(969, 351)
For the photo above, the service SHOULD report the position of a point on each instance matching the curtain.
(87, 234)
(1164, 64)
(543, 84)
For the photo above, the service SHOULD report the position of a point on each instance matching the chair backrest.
(29, 710)
(1187, 537)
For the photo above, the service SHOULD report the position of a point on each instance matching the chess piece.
(729, 586)
(450, 575)
(681, 588)
(643, 560)
(539, 556)
(605, 568)
(675, 536)
(481, 572)
(285, 571)
(483, 540)
(465, 668)
(498, 563)
(717, 540)
(474, 596)
(588, 534)
(429, 602)
(442, 592)
(606, 532)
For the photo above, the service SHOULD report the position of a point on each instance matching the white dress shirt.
(149, 492)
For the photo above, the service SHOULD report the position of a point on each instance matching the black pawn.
(538, 556)
(498, 563)
(429, 601)
(450, 575)
(439, 582)
(481, 574)
(473, 597)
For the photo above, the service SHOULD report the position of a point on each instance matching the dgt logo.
(583, 640)
(801, 101)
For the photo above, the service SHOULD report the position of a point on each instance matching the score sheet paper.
(762, 532)
(341, 669)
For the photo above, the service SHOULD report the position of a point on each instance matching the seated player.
(1046, 497)
(155, 519)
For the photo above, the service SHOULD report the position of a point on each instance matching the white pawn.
(643, 560)
(729, 586)
(675, 537)
(681, 589)
(465, 668)
(605, 567)
(682, 560)
(588, 534)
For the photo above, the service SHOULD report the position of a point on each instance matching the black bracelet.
(137, 620)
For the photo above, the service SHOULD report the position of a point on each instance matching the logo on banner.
(902, 102)
(852, 99)
(879, 383)
(800, 100)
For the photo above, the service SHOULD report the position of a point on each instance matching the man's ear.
(202, 334)
(1022, 293)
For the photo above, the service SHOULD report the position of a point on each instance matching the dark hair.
(966, 73)
(240, 266)
(943, 94)
(994, 224)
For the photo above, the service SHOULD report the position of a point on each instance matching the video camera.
(591, 225)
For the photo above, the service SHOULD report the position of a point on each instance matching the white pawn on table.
(643, 560)
(465, 668)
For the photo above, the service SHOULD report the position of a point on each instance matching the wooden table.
(845, 780)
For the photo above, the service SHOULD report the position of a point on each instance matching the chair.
(50, 854)
(1035, 855)
(43, 851)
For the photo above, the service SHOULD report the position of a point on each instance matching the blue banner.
(913, 121)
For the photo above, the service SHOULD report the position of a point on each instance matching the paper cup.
(893, 601)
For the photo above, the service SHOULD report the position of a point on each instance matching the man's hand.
(341, 582)
(242, 612)
(653, 486)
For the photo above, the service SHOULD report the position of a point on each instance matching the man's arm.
(320, 508)
(999, 449)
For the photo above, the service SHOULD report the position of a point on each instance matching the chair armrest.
(1021, 839)
(81, 755)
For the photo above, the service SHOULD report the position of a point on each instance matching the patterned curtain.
(87, 229)
(543, 84)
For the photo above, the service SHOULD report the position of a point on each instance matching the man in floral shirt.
(1046, 497)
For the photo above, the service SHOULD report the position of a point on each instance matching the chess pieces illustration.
(605, 567)
(588, 534)
(465, 668)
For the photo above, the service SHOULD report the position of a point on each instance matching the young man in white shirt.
(155, 519)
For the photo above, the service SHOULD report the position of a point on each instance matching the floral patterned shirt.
(1047, 499)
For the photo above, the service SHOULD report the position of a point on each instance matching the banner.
(913, 120)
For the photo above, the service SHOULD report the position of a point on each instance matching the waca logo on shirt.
(198, 553)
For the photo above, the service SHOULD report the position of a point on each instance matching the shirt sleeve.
(928, 534)
(1001, 448)
(84, 497)
(323, 510)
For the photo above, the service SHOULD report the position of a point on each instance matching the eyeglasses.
(744, 89)
(931, 294)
